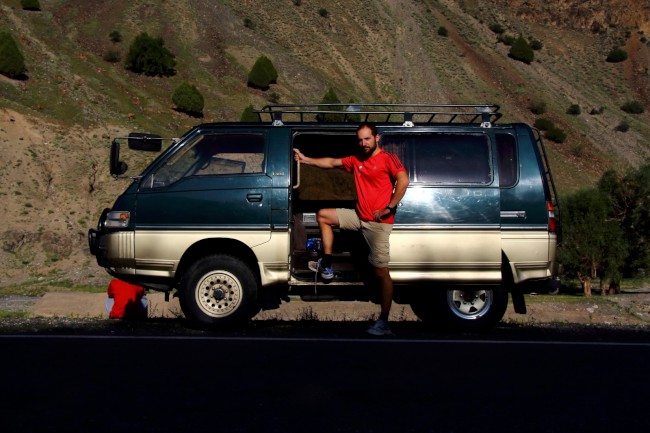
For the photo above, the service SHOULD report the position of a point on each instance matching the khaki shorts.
(376, 235)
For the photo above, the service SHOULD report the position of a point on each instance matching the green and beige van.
(225, 218)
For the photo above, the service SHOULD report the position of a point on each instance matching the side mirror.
(145, 142)
(117, 167)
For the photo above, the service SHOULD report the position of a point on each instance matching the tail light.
(552, 223)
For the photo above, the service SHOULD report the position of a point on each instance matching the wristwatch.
(391, 209)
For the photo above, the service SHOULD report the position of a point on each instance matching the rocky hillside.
(56, 125)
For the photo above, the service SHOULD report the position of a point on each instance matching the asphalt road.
(326, 379)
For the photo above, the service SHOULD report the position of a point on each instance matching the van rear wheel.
(219, 290)
(467, 308)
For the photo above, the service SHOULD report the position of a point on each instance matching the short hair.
(369, 125)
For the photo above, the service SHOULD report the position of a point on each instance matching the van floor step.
(300, 282)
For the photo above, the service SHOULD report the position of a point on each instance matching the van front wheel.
(219, 290)
(467, 308)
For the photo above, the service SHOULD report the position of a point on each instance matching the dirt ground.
(630, 308)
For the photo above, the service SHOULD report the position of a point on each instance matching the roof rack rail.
(406, 114)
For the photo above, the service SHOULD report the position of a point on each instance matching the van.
(225, 218)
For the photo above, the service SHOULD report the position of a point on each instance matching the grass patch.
(8, 314)
(40, 287)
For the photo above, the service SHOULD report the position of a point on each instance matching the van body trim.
(201, 228)
(488, 227)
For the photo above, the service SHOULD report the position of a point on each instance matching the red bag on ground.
(127, 300)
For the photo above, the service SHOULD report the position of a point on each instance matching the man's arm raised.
(317, 162)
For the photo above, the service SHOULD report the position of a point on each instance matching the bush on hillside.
(442, 31)
(537, 107)
(543, 124)
(497, 28)
(111, 56)
(506, 40)
(115, 36)
(617, 55)
(521, 51)
(148, 55)
(556, 134)
(632, 107)
(536, 45)
(248, 115)
(595, 111)
(188, 99)
(623, 126)
(574, 110)
(323, 12)
(30, 5)
(330, 97)
(263, 74)
(12, 62)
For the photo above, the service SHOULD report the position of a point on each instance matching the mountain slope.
(55, 127)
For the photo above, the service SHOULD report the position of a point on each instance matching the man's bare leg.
(386, 291)
(326, 219)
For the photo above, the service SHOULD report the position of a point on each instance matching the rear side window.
(449, 159)
(210, 154)
(507, 156)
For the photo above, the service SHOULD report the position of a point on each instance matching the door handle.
(254, 198)
(513, 214)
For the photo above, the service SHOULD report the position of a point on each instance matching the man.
(381, 181)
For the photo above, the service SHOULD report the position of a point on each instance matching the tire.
(466, 308)
(219, 290)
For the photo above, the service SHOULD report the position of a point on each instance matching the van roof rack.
(406, 114)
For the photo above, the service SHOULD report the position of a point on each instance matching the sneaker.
(380, 328)
(325, 273)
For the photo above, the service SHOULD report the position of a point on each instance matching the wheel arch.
(208, 247)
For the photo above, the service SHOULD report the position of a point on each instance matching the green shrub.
(521, 51)
(442, 31)
(632, 107)
(574, 110)
(111, 56)
(536, 45)
(115, 36)
(617, 55)
(506, 40)
(188, 99)
(30, 5)
(12, 62)
(263, 74)
(543, 124)
(556, 134)
(248, 115)
(330, 97)
(497, 28)
(249, 24)
(149, 56)
(323, 12)
(595, 111)
(297, 2)
(537, 107)
(623, 126)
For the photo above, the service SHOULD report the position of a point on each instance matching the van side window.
(507, 156)
(212, 155)
(448, 159)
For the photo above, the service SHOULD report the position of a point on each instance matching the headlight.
(117, 219)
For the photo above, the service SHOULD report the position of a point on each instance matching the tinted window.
(443, 158)
(212, 155)
(507, 155)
